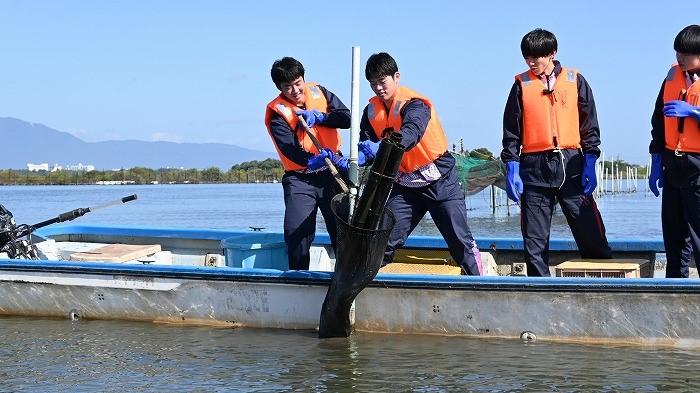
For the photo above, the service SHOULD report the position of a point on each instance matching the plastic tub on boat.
(256, 250)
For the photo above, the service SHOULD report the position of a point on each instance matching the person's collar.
(557, 68)
(554, 74)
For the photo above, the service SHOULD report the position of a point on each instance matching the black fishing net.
(359, 254)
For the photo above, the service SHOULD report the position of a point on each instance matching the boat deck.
(427, 254)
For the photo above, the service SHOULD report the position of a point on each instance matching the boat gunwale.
(398, 281)
(394, 281)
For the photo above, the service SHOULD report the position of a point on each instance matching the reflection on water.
(60, 355)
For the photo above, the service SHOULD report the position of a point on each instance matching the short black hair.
(687, 41)
(538, 43)
(380, 65)
(286, 69)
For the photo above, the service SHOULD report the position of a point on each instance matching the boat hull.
(181, 295)
(633, 313)
(646, 311)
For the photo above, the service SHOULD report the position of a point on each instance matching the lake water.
(112, 356)
(239, 206)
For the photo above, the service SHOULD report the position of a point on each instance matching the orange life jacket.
(432, 145)
(676, 88)
(550, 120)
(327, 137)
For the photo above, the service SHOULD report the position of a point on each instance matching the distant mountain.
(24, 142)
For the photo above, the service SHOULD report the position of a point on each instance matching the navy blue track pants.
(304, 195)
(680, 222)
(581, 212)
(444, 199)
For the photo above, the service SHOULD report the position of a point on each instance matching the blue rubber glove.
(514, 186)
(679, 108)
(361, 158)
(589, 181)
(312, 117)
(319, 160)
(369, 148)
(657, 174)
(344, 162)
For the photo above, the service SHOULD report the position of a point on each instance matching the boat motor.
(13, 238)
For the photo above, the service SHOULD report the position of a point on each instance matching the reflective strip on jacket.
(550, 120)
(432, 144)
(686, 139)
(327, 137)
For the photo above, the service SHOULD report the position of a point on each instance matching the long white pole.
(354, 170)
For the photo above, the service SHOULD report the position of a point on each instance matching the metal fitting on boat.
(528, 336)
(519, 269)
(74, 314)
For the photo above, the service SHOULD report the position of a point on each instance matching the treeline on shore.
(267, 171)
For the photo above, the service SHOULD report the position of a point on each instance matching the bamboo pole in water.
(605, 177)
(612, 175)
(602, 172)
(507, 203)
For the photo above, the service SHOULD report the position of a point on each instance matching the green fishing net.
(477, 171)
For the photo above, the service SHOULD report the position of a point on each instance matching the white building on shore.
(43, 167)
(80, 167)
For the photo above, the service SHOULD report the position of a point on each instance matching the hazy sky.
(199, 71)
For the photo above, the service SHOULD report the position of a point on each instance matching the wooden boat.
(198, 277)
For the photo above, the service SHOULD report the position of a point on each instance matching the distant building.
(45, 167)
(38, 167)
(80, 167)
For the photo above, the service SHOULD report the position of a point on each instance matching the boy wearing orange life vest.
(550, 146)
(307, 186)
(427, 179)
(675, 152)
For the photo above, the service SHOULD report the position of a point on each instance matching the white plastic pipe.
(354, 127)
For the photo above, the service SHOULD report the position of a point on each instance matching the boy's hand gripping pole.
(331, 167)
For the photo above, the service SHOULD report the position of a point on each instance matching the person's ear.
(397, 76)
